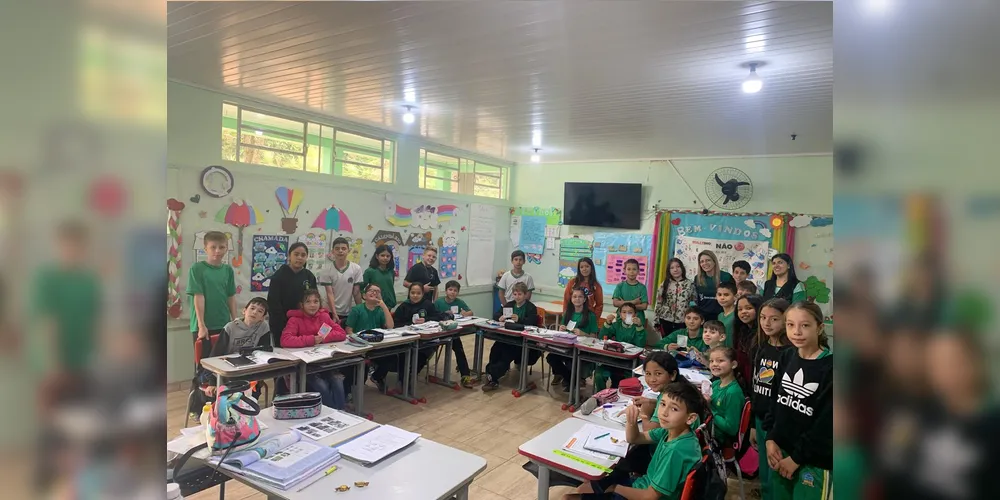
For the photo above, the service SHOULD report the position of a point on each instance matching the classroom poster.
(611, 250)
(727, 251)
(571, 250)
(553, 216)
(532, 238)
(720, 227)
(482, 244)
(448, 254)
(269, 253)
(316, 243)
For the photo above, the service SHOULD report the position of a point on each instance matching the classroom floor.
(491, 425)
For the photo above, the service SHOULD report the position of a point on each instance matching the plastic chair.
(198, 347)
(730, 454)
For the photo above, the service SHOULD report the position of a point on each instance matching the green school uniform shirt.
(217, 284)
(621, 332)
(442, 305)
(727, 320)
(591, 327)
(727, 407)
(671, 463)
(361, 318)
(386, 281)
(656, 418)
(625, 291)
(71, 299)
(671, 338)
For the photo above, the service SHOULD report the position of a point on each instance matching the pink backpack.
(234, 418)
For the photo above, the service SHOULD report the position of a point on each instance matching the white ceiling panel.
(601, 80)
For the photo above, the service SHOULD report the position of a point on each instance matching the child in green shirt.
(713, 334)
(632, 291)
(693, 320)
(625, 328)
(382, 273)
(727, 398)
(677, 454)
(578, 319)
(451, 304)
(373, 313)
(725, 294)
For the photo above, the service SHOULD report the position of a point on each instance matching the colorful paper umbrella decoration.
(240, 214)
(289, 200)
(333, 219)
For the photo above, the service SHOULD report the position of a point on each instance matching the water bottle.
(206, 424)
(174, 492)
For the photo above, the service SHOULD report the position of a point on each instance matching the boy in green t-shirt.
(676, 455)
(632, 291)
(693, 320)
(725, 294)
(211, 288)
(623, 327)
(451, 304)
(373, 313)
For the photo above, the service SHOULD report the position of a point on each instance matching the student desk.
(510, 337)
(403, 344)
(226, 372)
(551, 308)
(354, 358)
(533, 340)
(424, 470)
(541, 451)
(593, 351)
(434, 339)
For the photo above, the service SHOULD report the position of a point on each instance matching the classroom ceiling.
(599, 80)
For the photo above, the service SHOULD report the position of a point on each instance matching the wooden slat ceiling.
(600, 80)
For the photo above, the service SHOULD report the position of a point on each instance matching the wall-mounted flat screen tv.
(603, 205)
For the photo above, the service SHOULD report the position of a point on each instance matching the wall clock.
(217, 181)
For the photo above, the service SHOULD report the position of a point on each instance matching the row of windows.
(250, 136)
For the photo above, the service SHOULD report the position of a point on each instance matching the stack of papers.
(281, 460)
(378, 444)
(577, 443)
(468, 320)
(609, 441)
(318, 353)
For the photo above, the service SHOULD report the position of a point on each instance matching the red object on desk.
(630, 387)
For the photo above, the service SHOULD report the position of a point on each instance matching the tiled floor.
(490, 425)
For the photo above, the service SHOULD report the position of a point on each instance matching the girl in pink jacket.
(309, 326)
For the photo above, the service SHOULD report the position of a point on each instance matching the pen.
(602, 435)
(325, 473)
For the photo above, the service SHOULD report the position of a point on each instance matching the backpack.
(707, 481)
(233, 422)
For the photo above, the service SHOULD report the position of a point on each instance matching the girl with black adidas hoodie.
(770, 342)
(799, 427)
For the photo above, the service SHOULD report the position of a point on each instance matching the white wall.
(800, 184)
(195, 141)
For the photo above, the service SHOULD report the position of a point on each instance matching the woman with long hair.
(586, 280)
(708, 279)
(783, 282)
(673, 297)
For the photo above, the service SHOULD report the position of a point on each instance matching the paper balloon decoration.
(289, 200)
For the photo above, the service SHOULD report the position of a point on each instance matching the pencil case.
(297, 406)
(371, 336)
(517, 327)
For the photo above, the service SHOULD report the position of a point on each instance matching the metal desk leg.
(522, 375)
(574, 381)
(359, 388)
(477, 361)
(543, 482)
(462, 493)
(447, 361)
(415, 355)
(301, 378)
(410, 363)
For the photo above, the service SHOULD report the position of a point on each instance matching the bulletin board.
(267, 213)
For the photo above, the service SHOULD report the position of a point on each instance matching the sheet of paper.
(482, 244)
(515, 230)
(682, 341)
(576, 442)
(551, 231)
(550, 243)
(694, 376)
(377, 444)
(326, 425)
(317, 353)
(604, 440)
(571, 325)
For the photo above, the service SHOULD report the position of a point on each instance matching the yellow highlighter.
(327, 472)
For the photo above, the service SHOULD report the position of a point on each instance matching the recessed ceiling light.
(408, 116)
(752, 84)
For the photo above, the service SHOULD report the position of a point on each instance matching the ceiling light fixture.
(408, 116)
(752, 84)
(535, 158)
(536, 138)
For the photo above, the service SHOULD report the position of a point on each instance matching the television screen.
(603, 205)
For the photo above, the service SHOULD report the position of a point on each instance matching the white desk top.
(218, 365)
(352, 351)
(550, 307)
(423, 470)
(540, 449)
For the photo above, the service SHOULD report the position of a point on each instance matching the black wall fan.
(729, 188)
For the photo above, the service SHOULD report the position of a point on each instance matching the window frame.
(467, 173)
(384, 144)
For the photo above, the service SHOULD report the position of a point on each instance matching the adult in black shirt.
(423, 272)
(287, 285)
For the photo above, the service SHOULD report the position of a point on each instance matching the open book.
(318, 353)
(609, 441)
(280, 460)
(254, 358)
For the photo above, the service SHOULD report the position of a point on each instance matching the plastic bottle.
(174, 492)
(206, 423)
